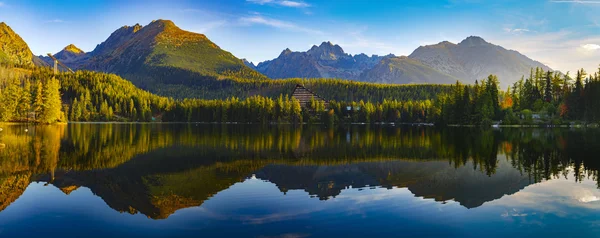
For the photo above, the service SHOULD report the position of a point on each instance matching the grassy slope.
(13, 48)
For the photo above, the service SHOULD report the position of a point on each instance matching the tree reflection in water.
(156, 169)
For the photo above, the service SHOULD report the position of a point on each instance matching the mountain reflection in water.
(158, 169)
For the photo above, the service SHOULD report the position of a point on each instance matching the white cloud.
(575, 53)
(260, 20)
(55, 21)
(516, 30)
(577, 1)
(208, 26)
(591, 47)
(354, 41)
(1, 4)
(261, 2)
(293, 4)
(284, 3)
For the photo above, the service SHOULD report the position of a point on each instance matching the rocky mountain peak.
(13, 48)
(473, 41)
(73, 49)
(287, 51)
(325, 49)
(248, 63)
(160, 23)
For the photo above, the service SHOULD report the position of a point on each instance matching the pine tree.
(51, 108)
(296, 110)
(548, 89)
(38, 102)
(25, 101)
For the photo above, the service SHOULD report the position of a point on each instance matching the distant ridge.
(471, 59)
(71, 56)
(324, 61)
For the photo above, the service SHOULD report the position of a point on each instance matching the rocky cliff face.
(445, 62)
(402, 70)
(14, 50)
(71, 56)
(475, 59)
(324, 61)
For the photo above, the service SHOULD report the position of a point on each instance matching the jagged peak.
(443, 44)
(73, 49)
(326, 43)
(248, 63)
(162, 23)
(327, 47)
(136, 27)
(286, 51)
(474, 41)
(6, 28)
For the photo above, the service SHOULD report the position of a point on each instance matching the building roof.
(304, 95)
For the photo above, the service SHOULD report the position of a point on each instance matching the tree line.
(543, 97)
(29, 98)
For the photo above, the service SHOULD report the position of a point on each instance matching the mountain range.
(445, 62)
(164, 59)
(324, 61)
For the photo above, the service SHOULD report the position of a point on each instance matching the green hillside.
(164, 59)
(13, 49)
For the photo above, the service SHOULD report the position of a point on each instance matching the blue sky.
(562, 33)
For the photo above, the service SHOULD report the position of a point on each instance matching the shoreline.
(591, 125)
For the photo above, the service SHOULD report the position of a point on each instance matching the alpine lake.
(207, 180)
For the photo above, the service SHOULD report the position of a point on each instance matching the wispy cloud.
(208, 26)
(1, 4)
(293, 4)
(355, 40)
(260, 20)
(284, 3)
(55, 21)
(545, 46)
(516, 30)
(591, 47)
(577, 1)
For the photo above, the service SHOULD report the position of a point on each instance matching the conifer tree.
(51, 108)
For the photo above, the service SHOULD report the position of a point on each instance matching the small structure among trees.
(307, 97)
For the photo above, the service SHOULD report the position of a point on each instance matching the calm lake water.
(187, 180)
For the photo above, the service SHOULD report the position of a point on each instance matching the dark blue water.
(251, 181)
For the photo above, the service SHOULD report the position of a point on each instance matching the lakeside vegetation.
(547, 98)
(34, 95)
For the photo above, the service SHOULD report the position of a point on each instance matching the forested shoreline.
(543, 98)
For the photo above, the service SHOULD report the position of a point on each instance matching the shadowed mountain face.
(71, 56)
(324, 61)
(156, 170)
(475, 59)
(434, 179)
(443, 63)
(399, 70)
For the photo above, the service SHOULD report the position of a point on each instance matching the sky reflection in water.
(239, 181)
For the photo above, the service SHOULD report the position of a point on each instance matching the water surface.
(188, 180)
